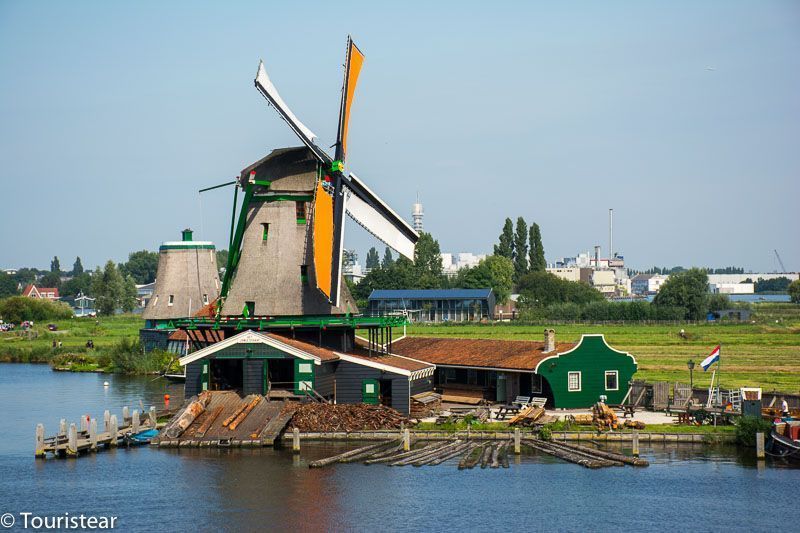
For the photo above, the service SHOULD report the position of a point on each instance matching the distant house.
(144, 293)
(645, 284)
(47, 293)
(434, 305)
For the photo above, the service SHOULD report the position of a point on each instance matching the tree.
(77, 267)
(541, 289)
(537, 261)
(8, 287)
(373, 261)
(794, 291)
(51, 279)
(428, 262)
(506, 245)
(55, 265)
(520, 249)
(82, 283)
(495, 272)
(387, 258)
(108, 287)
(141, 266)
(128, 294)
(687, 289)
(222, 259)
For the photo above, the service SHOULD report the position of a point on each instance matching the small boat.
(143, 437)
(175, 377)
(785, 440)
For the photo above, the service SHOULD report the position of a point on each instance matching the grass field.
(765, 353)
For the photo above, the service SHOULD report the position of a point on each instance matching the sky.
(684, 117)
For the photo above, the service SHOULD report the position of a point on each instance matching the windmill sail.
(379, 219)
(270, 92)
(323, 239)
(352, 69)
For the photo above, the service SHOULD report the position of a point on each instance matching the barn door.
(369, 391)
(303, 375)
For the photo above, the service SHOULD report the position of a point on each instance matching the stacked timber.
(634, 424)
(324, 417)
(195, 408)
(603, 417)
(233, 421)
(527, 417)
(425, 404)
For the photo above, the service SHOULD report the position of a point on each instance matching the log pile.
(323, 417)
(195, 408)
(634, 424)
(603, 417)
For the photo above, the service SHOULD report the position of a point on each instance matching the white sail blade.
(266, 85)
(375, 223)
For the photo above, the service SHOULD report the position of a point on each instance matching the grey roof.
(429, 294)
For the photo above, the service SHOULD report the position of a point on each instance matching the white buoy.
(105, 384)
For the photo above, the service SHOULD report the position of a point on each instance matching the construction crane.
(780, 262)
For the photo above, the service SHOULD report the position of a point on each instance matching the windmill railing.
(263, 323)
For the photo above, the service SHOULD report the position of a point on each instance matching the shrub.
(748, 426)
(545, 433)
(20, 308)
(128, 357)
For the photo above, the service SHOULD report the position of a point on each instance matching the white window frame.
(369, 388)
(580, 380)
(616, 376)
(304, 368)
(171, 300)
(205, 299)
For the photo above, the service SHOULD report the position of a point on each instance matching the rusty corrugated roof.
(484, 353)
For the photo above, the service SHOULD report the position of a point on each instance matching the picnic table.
(506, 410)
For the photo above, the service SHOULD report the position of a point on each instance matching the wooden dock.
(224, 419)
(85, 437)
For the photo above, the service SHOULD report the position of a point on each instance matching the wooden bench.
(506, 410)
(538, 402)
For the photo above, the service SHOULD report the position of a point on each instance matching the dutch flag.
(711, 359)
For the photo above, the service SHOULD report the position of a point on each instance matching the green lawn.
(73, 334)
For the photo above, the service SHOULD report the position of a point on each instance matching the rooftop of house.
(33, 289)
(429, 294)
(483, 353)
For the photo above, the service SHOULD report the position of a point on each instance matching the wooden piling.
(62, 428)
(93, 434)
(153, 417)
(40, 440)
(106, 420)
(760, 445)
(113, 430)
(72, 441)
(125, 415)
(296, 440)
(517, 441)
(635, 444)
(406, 440)
(85, 424)
(135, 422)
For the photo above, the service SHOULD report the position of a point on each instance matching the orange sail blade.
(323, 239)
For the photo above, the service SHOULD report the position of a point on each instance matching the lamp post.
(690, 366)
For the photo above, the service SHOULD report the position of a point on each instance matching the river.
(692, 486)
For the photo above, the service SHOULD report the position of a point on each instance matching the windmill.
(280, 263)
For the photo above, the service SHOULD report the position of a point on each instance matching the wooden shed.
(254, 362)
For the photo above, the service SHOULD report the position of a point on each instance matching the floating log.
(453, 453)
(634, 461)
(371, 453)
(456, 446)
(487, 455)
(330, 460)
(586, 452)
(417, 457)
(240, 418)
(389, 458)
(385, 453)
(206, 425)
(472, 458)
(564, 455)
(495, 463)
(504, 455)
(192, 411)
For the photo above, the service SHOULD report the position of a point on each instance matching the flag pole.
(719, 367)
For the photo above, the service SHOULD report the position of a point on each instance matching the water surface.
(692, 487)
